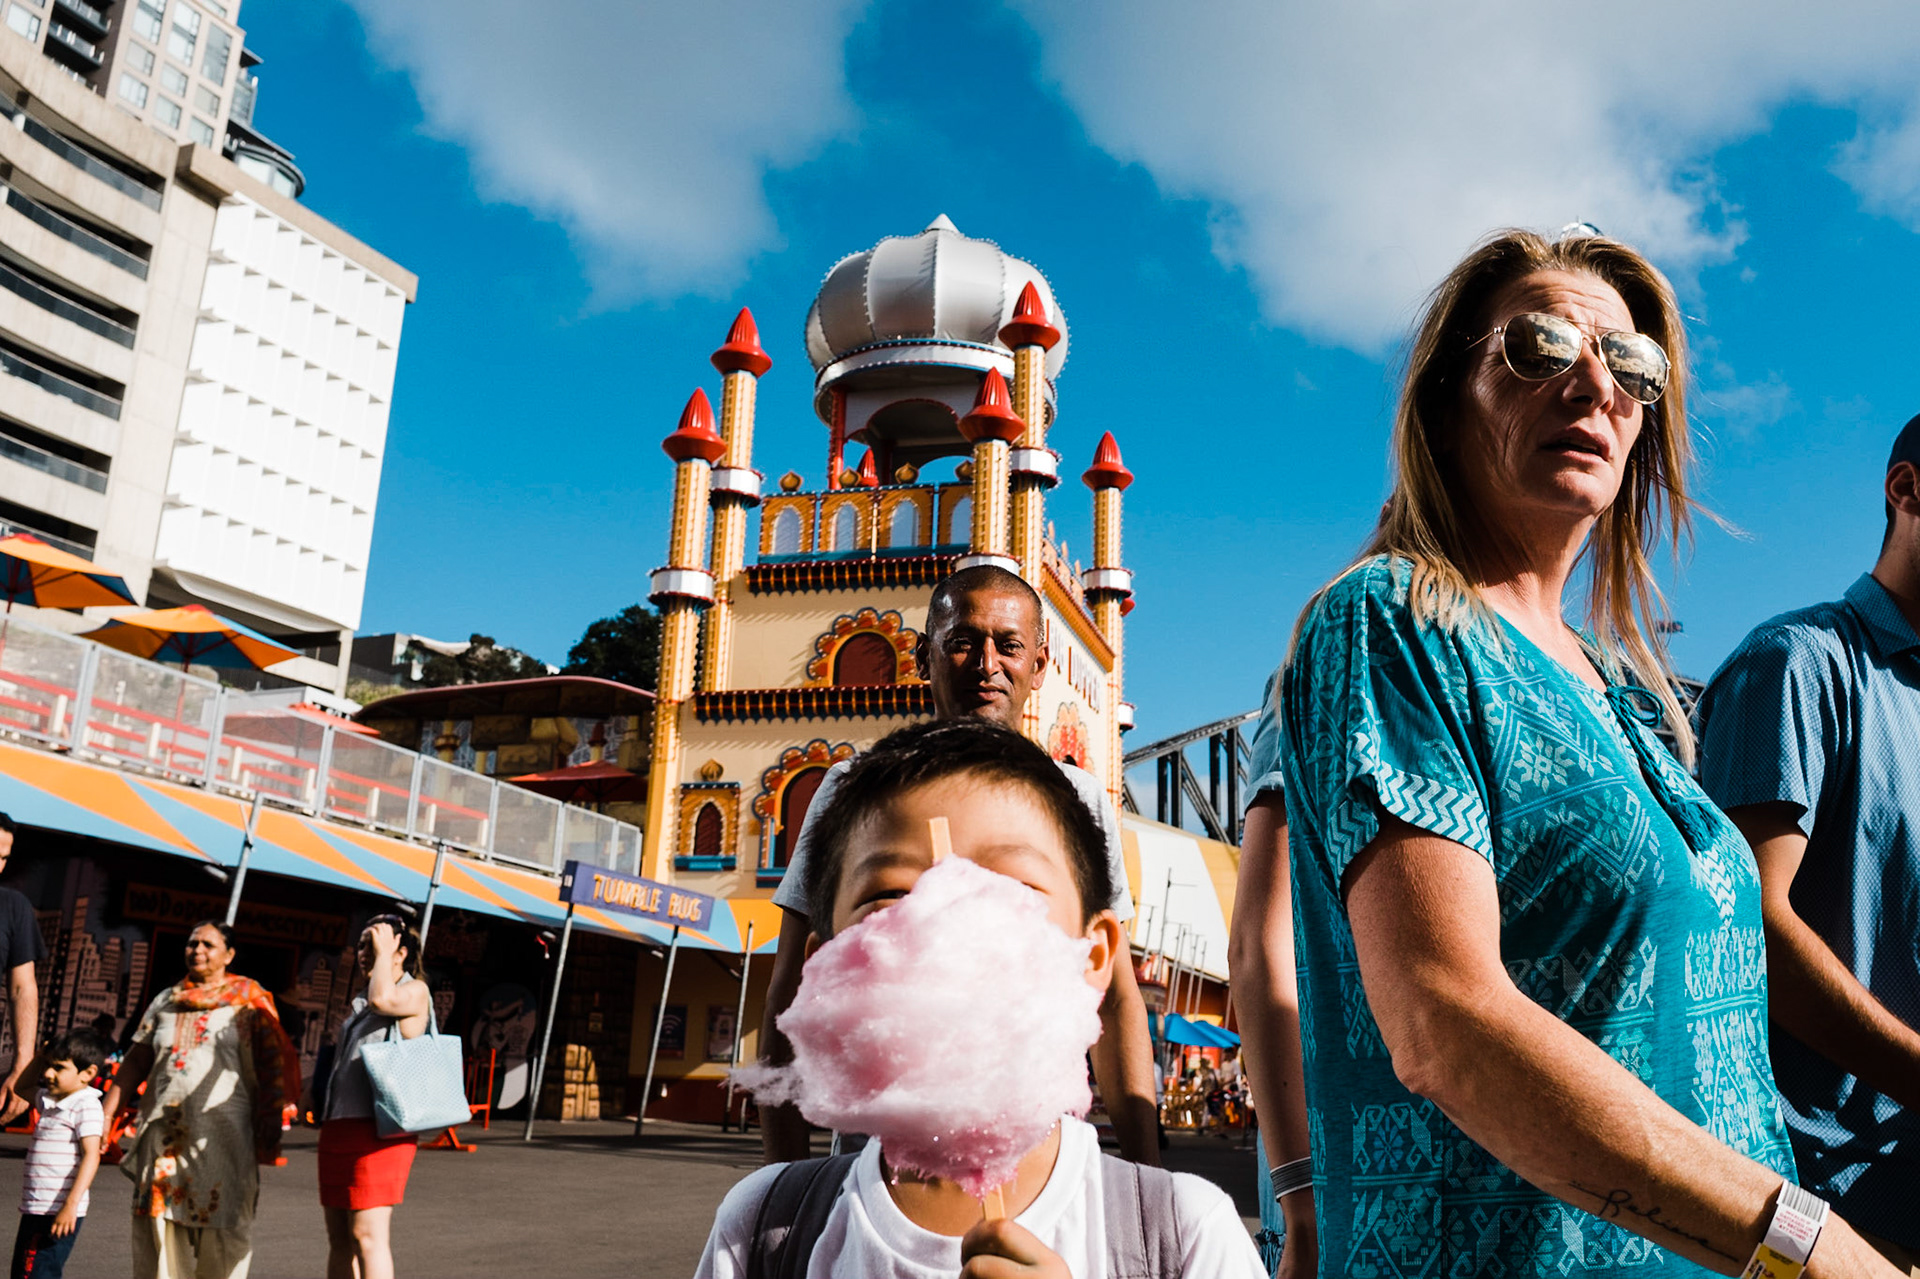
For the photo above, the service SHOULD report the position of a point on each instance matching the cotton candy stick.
(994, 1205)
(941, 837)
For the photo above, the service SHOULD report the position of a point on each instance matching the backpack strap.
(793, 1214)
(1143, 1229)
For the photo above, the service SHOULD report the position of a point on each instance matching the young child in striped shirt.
(63, 1154)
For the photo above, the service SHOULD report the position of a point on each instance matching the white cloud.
(1350, 152)
(646, 129)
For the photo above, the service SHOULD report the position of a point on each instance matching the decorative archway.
(824, 667)
(786, 791)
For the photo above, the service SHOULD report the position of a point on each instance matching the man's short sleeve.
(1770, 721)
(22, 944)
(1263, 748)
(1095, 797)
(792, 892)
(1376, 708)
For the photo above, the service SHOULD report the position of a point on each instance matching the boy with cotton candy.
(947, 1011)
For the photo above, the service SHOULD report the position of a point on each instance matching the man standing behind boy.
(63, 1154)
(20, 949)
(1810, 739)
(983, 653)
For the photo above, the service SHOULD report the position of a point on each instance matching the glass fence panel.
(150, 716)
(273, 752)
(524, 828)
(589, 838)
(39, 679)
(453, 805)
(369, 780)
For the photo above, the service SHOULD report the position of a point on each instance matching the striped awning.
(1180, 878)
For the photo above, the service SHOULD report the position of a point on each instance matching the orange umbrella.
(596, 783)
(32, 572)
(191, 633)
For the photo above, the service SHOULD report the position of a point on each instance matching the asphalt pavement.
(581, 1200)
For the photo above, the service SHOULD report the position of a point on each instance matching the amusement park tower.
(929, 349)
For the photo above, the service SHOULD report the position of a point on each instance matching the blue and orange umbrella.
(191, 633)
(32, 572)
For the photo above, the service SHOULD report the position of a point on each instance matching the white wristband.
(1798, 1218)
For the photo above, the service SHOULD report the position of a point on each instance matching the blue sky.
(1238, 214)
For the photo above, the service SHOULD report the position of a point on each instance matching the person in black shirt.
(20, 949)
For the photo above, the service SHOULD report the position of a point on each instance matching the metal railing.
(59, 467)
(47, 300)
(72, 232)
(53, 383)
(74, 695)
(86, 12)
(80, 158)
(75, 41)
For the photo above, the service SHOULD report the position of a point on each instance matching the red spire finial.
(1107, 471)
(868, 473)
(992, 417)
(742, 352)
(1029, 326)
(695, 436)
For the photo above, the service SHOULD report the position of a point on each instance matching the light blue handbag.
(418, 1084)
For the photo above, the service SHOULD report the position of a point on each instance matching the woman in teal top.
(1532, 968)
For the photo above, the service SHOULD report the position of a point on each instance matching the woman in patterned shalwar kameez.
(221, 1078)
(1532, 970)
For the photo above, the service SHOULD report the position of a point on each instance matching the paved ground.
(579, 1201)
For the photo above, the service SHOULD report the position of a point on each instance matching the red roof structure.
(992, 417)
(1107, 471)
(742, 353)
(695, 436)
(1029, 326)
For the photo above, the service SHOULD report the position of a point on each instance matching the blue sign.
(585, 885)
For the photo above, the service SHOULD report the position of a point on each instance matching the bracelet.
(1289, 1177)
(1798, 1218)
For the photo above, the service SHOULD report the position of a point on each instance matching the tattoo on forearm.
(1613, 1204)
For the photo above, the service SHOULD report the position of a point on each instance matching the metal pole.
(1199, 984)
(659, 1020)
(246, 855)
(739, 1027)
(433, 891)
(546, 1032)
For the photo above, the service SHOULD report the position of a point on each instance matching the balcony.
(47, 300)
(70, 694)
(72, 232)
(61, 469)
(84, 17)
(53, 383)
(66, 44)
(80, 158)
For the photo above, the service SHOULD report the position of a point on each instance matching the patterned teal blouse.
(1629, 908)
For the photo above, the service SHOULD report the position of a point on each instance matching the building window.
(795, 800)
(147, 20)
(185, 33)
(200, 131)
(23, 22)
(904, 527)
(846, 528)
(865, 658)
(786, 532)
(707, 828)
(140, 59)
(167, 112)
(173, 80)
(134, 91)
(960, 522)
(219, 48)
(204, 99)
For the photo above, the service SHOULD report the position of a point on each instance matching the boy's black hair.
(6, 820)
(82, 1047)
(926, 753)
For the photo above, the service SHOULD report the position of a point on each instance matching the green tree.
(484, 662)
(624, 648)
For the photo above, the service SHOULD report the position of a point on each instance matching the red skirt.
(361, 1169)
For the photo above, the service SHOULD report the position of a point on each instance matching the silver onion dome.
(936, 297)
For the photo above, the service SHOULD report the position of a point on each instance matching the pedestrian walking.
(1810, 739)
(1532, 968)
(63, 1154)
(221, 1078)
(363, 1175)
(20, 949)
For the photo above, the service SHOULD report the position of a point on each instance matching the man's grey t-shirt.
(792, 895)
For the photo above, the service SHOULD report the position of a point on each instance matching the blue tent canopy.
(1175, 1029)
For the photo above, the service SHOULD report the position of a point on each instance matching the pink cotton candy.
(953, 1025)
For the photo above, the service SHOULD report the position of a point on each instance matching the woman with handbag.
(221, 1079)
(362, 1173)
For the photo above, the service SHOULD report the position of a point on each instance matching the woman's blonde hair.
(1425, 519)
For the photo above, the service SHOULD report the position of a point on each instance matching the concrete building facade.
(195, 369)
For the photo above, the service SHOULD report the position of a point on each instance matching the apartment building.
(195, 369)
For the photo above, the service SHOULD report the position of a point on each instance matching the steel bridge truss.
(1217, 804)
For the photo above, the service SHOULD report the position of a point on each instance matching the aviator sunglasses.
(1538, 347)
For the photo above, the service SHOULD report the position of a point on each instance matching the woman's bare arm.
(1533, 1091)
(407, 1001)
(1266, 1001)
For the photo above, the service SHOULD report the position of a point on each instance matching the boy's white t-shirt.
(867, 1234)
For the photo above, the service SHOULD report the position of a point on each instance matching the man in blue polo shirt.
(1810, 739)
